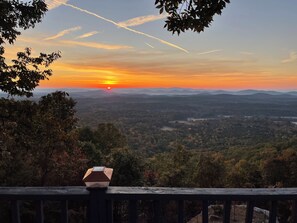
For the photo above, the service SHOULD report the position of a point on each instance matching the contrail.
(149, 45)
(208, 52)
(124, 27)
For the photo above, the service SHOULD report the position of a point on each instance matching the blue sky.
(251, 45)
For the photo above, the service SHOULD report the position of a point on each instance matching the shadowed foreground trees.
(39, 144)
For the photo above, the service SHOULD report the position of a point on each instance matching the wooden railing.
(100, 201)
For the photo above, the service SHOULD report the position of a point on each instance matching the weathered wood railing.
(100, 208)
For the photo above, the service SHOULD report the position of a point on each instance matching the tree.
(128, 167)
(209, 171)
(244, 174)
(45, 133)
(275, 172)
(26, 71)
(107, 136)
(192, 15)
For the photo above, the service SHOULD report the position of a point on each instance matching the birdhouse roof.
(98, 174)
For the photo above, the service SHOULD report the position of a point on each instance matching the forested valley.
(155, 138)
(171, 141)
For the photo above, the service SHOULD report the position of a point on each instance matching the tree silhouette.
(26, 71)
(192, 15)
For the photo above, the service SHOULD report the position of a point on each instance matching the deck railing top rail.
(128, 193)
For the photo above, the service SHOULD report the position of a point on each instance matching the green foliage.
(209, 171)
(107, 136)
(128, 167)
(183, 168)
(190, 15)
(98, 143)
(16, 14)
(45, 134)
(26, 71)
(172, 168)
(154, 124)
(244, 174)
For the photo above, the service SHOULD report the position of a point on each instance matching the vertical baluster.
(133, 211)
(181, 211)
(102, 206)
(109, 211)
(205, 211)
(93, 207)
(227, 211)
(39, 218)
(16, 218)
(64, 211)
(294, 211)
(157, 212)
(272, 213)
(249, 212)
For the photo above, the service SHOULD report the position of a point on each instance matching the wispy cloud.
(126, 28)
(246, 53)
(51, 4)
(63, 33)
(87, 35)
(210, 51)
(150, 45)
(96, 45)
(141, 20)
(292, 58)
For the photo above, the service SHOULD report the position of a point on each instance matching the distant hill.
(93, 93)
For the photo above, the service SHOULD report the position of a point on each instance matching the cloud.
(63, 33)
(292, 58)
(96, 45)
(126, 28)
(141, 20)
(246, 53)
(150, 45)
(51, 4)
(87, 35)
(208, 52)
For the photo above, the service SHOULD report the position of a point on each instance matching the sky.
(122, 44)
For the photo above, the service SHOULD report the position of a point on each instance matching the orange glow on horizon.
(194, 84)
(66, 76)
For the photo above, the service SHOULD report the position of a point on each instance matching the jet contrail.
(149, 45)
(124, 27)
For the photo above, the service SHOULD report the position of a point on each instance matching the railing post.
(97, 180)
(97, 206)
